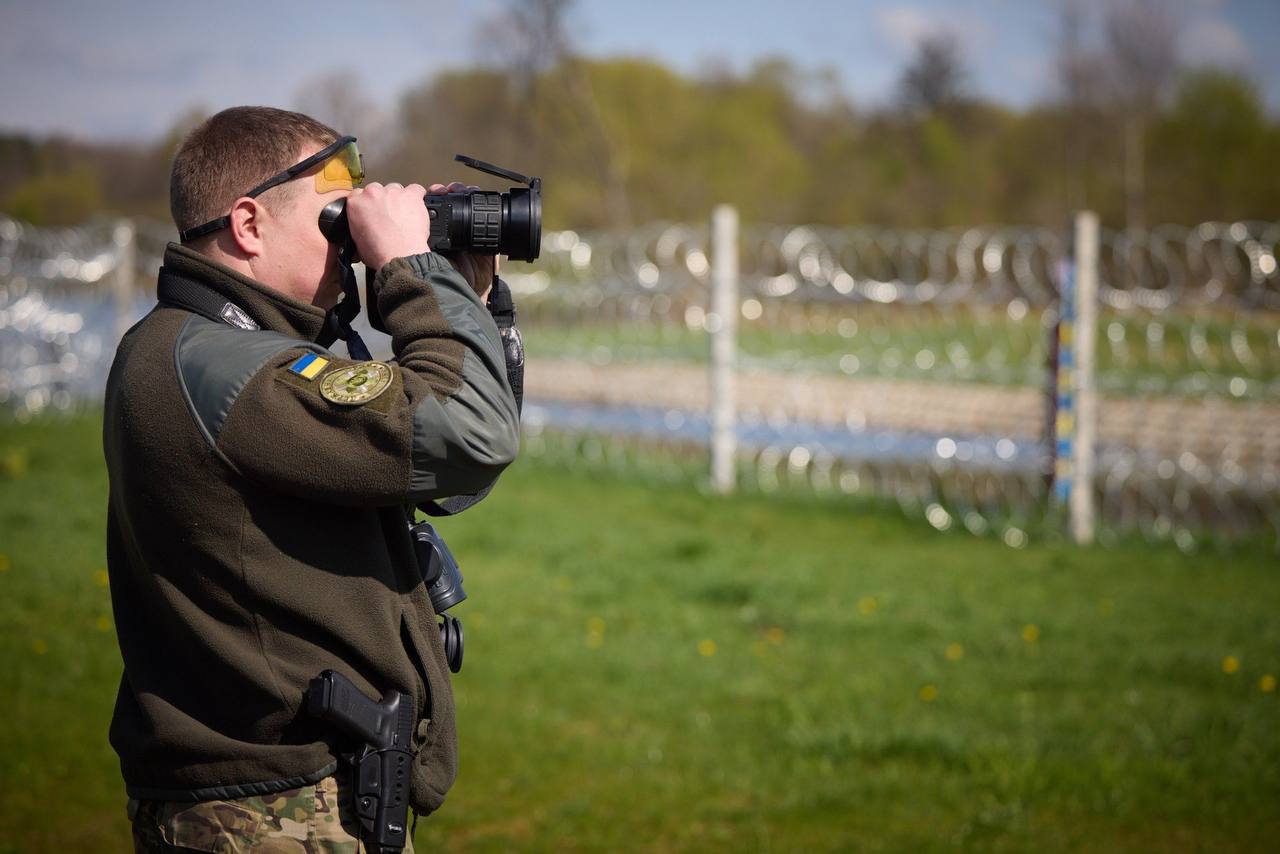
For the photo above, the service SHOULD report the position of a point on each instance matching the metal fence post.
(1086, 326)
(124, 235)
(722, 324)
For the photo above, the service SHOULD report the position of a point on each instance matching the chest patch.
(356, 384)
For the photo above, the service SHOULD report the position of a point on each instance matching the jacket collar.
(268, 308)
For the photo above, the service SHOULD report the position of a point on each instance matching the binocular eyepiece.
(483, 222)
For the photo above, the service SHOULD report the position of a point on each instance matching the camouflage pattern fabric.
(317, 819)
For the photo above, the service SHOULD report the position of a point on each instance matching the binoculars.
(483, 221)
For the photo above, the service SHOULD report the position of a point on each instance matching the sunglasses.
(343, 170)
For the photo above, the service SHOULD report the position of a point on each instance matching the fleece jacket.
(256, 525)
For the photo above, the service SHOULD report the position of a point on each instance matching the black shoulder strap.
(179, 291)
(337, 320)
(503, 308)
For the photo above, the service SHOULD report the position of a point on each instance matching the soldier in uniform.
(256, 530)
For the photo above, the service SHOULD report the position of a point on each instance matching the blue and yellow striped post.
(1064, 423)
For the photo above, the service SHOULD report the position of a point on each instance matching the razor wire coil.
(910, 365)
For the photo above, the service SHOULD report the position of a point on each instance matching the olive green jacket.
(256, 533)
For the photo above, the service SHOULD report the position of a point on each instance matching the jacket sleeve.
(445, 424)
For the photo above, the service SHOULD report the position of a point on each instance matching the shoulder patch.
(309, 366)
(356, 384)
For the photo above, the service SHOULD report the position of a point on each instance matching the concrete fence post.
(1086, 310)
(1076, 425)
(722, 324)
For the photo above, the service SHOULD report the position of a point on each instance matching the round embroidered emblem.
(356, 384)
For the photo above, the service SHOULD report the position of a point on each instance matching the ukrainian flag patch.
(309, 366)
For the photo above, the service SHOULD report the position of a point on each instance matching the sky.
(129, 69)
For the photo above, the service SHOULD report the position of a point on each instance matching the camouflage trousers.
(308, 820)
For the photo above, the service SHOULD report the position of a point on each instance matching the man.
(256, 530)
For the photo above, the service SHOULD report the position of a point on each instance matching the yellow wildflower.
(595, 632)
(13, 462)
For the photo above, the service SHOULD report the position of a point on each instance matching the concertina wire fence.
(912, 365)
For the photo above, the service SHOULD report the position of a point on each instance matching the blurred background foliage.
(1125, 129)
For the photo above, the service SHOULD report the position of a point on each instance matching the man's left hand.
(478, 270)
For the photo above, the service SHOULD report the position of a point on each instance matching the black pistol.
(381, 766)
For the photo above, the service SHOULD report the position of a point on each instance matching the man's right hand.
(388, 222)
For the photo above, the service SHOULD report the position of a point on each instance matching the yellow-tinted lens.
(342, 171)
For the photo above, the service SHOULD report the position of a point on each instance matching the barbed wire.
(1185, 310)
(80, 255)
(911, 365)
(960, 324)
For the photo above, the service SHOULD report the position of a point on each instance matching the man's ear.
(247, 220)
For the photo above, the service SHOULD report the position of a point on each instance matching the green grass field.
(649, 668)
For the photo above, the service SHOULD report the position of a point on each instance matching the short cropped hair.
(233, 152)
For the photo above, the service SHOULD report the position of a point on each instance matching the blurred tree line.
(1128, 132)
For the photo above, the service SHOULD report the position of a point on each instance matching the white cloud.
(905, 26)
(1213, 41)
